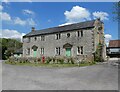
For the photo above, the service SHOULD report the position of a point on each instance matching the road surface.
(103, 76)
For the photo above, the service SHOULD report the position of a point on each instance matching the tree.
(9, 46)
(117, 11)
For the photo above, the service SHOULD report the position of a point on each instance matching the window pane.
(78, 33)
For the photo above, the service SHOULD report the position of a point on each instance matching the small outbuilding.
(18, 53)
(113, 49)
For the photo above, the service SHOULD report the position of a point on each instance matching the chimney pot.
(33, 29)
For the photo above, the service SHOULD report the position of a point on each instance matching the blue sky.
(18, 18)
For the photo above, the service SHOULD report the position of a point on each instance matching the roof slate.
(70, 27)
(114, 43)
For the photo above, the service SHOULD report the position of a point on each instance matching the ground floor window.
(42, 51)
(80, 50)
(28, 51)
(57, 49)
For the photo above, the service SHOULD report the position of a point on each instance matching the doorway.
(68, 52)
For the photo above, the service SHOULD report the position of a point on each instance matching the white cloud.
(26, 11)
(31, 22)
(107, 38)
(5, 1)
(27, 1)
(49, 20)
(5, 16)
(19, 21)
(28, 21)
(1, 7)
(101, 15)
(6, 33)
(76, 14)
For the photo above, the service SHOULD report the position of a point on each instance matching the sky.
(18, 17)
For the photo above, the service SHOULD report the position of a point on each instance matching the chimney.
(33, 29)
(98, 19)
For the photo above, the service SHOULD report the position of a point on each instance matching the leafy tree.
(117, 11)
(9, 46)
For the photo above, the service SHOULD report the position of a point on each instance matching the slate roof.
(81, 25)
(114, 43)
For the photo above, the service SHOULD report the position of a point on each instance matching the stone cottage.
(74, 40)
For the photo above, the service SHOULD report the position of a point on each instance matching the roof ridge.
(66, 25)
(80, 25)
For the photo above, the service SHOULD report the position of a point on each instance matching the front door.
(35, 53)
(68, 51)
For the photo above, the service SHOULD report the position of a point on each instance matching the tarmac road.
(103, 76)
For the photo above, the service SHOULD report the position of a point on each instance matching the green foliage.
(98, 57)
(116, 11)
(72, 60)
(9, 46)
(48, 60)
(61, 61)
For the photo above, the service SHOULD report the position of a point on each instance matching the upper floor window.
(28, 40)
(57, 50)
(35, 38)
(42, 38)
(80, 33)
(58, 36)
(68, 35)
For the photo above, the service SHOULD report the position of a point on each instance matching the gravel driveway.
(97, 77)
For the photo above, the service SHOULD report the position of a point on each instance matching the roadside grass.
(49, 65)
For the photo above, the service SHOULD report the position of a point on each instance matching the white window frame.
(78, 52)
(81, 50)
(42, 51)
(27, 51)
(58, 36)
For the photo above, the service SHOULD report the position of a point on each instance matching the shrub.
(48, 60)
(53, 59)
(61, 61)
(68, 60)
(72, 60)
(39, 59)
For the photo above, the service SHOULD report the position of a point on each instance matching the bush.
(54, 59)
(48, 60)
(72, 60)
(39, 59)
(68, 60)
(61, 61)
